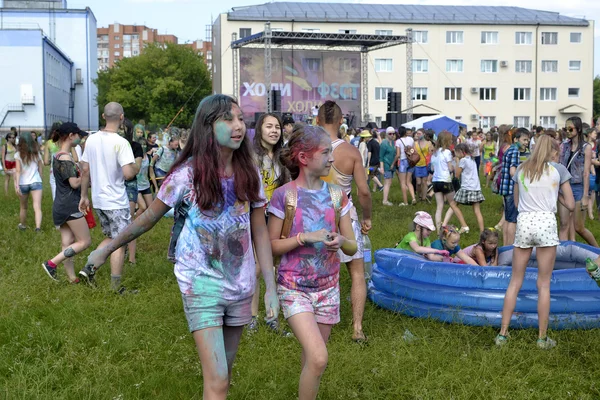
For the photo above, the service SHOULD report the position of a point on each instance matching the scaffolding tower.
(318, 41)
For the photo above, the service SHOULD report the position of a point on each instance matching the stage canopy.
(437, 123)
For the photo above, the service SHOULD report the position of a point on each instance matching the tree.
(596, 97)
(156, 84)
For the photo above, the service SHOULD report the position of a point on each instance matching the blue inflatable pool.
(405, 282)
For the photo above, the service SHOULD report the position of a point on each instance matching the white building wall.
(74, 32)
(22, 63)
(504, 108)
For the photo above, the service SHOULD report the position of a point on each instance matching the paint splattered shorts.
(325, 305)
(206, 312)
(113, 222)
(536, 229)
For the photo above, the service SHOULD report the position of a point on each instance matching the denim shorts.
(577, 189)
(324, 304)
(25, 189)
(421, 172)
(388, 174)
(404, 168)
(132, 190)
(510, 211)
(204, 311)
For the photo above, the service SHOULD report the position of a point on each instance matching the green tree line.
(156, 84)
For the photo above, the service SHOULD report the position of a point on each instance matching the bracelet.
(300, 241)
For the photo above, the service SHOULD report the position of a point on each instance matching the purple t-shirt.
(309, 268)
(214, 254)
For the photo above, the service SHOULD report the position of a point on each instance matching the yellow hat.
(365, 133)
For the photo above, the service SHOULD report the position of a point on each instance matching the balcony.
(28, 100)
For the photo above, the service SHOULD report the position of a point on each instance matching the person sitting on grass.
(448, 240)
(418, 240)
(485, 253)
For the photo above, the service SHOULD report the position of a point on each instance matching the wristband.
(300, 241)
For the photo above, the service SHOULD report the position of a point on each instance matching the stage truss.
(324, 42)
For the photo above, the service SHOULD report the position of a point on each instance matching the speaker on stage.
(276, 100)
(394, 101)
(393, 119)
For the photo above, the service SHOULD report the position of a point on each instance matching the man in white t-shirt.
(108, 160)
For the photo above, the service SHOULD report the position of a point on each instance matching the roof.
(399, 13)
(572, 109)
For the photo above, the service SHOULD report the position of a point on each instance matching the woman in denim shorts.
(28, 179)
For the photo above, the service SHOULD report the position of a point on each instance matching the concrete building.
(48, 65)
(204, 49)
(119, 41)
(482, 65)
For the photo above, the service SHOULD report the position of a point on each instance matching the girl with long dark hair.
(576, 156)
(28, 179)
(268, 143)
(215, 180)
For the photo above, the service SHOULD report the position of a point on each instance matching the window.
(135, 52)
(488, 122)
(454, 37)
(311, 64)
(521, 122)
(348, 64)
(523, 38)
(489, 66)
(117, 38)
(384, 32)
(549, 37)
(523, 66)
(117, 45)
(454, 65)
(382, 92)
(126, 53)
(419, 93)
(574, 92)
(420, 65)
(548, 122)
(453, 94)
(383, 65)
(245, 32)
(135, 37)
(549, 66)
(522, 94)
(547, 94)
(117, 53)
(127, 38)
(487, 94)
(574, 65)
(104, 38)
(350, 31)
(575, 37)
(420, 36)
(489, 37)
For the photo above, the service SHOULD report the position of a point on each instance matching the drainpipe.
(535, 68)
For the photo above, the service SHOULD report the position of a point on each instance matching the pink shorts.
(325, 304)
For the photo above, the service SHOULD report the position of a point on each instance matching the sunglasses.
(11, 137)
(570, 129)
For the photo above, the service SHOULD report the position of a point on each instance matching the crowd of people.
(285, 200)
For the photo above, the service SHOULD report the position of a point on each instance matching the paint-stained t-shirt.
(541, 195)
(214, 254)
(309, 268)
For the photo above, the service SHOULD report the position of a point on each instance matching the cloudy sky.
(187, 18)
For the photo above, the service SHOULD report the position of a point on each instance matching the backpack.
(291, 202)
(411, 155)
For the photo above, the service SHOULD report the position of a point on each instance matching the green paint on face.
(76, 141)
(223, 133)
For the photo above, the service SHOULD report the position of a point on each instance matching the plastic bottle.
(592, 269)
(367, 257)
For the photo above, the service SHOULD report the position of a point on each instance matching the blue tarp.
(444, 123)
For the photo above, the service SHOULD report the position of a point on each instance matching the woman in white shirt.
(28, 179)
(537, 184)
(441, 163)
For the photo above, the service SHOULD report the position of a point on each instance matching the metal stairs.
(8, 109)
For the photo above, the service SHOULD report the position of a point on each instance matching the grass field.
(61, 341)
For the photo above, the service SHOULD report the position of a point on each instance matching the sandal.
(464, 229)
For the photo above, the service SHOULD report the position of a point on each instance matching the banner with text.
(305, 79)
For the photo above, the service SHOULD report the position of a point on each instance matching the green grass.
(61, 341)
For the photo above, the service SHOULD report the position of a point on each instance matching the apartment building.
(118, 41)
(204, 49)
(482, 65)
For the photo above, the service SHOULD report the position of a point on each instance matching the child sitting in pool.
(418, 240)
(448, 240)
(485, 253)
